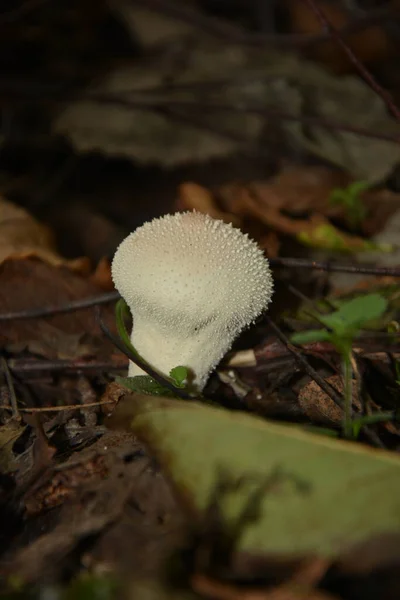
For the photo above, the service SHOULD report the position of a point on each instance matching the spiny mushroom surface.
(192, 284)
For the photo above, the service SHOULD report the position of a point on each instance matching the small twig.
(328, 389)
(11, 389)
(297, 263)
(34, 313)
(24, 366)
(60, 408)
(150, 103)
(364, 72)
(141, 363)
(223, 30)
(331, 267)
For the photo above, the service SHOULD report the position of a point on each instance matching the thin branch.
(60, 408)
(272, 113)
(224, 30)
(26, 367)
(331, 267)
(328, 389)
(364, 72)
(295, 263)
(48, 311)
(150, 103)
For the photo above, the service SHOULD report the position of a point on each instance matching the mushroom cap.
(187, 270)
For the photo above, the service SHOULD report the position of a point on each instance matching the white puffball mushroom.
(192, 284)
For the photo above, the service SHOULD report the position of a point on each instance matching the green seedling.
(349, 198)
(146, 384)
(342, 326)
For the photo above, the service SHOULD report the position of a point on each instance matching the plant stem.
(348, 396)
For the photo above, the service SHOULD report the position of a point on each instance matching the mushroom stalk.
(192, 284)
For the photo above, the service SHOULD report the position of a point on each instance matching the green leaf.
(358, 424)
(357, 187)
(307, 337)
(349, 493)
(121, 311)
(353, 314)
(144, 384)
(92, 587)
(179, 376)
(326, 236)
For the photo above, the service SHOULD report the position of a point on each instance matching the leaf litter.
(251, 494)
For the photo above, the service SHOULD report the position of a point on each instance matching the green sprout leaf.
(343, 325)
(121, 312)
(307, 337)
(179, 376)
(349, 198)
(144, 384)
(355, 313)
(379, 417)
(345, 322)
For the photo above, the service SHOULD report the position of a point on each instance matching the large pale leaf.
(117, 115)
(331, 495)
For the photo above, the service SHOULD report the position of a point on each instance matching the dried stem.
(364, 72)
(35, 313)
(332, 267)
(26, 367)
(230, 33)
(151, 103)
(296, 263)
(328, 389)
(59, 408)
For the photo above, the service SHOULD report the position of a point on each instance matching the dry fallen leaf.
(192, 196)
(53, 343)
(22, 236)
(295, 202)
(319, 407)
(371, 44)
(102, 275)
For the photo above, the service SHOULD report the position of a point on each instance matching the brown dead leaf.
(22, 236)
(110, 496)
(114, 392)
(381, 205)
(300, 189)
(65, 483)
(297, 190)
(31, 284)
(296, 202)
(319, 407)
(192, 196)
(54, 343)
(102, 275)
(371, 44)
